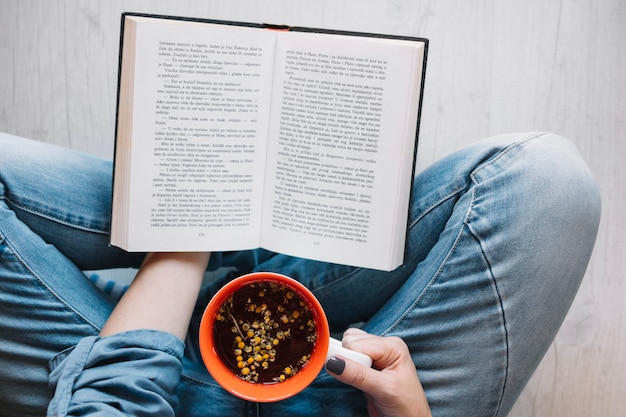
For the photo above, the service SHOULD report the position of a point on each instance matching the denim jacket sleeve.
(128, 374)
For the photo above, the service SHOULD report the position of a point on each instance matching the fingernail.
(336, 365)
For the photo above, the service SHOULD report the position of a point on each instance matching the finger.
(355, 339)
(354, 332)
(352, 373)
(384, 351)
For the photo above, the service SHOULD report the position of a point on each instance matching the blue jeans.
(499, 238)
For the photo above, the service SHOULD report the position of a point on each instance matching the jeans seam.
(466, 225)
(438, 271)
(28, 208)
(466, 222)
(465, 228)
(502, 312)
(504, 152)
(197, 380)
(50, 291)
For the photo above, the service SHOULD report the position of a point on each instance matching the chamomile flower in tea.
(265, 332)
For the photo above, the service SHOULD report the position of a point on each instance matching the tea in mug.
(265, 332)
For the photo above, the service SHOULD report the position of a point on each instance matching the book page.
(201, 105)
(345, 115)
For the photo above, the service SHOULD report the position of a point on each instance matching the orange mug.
(231, 375)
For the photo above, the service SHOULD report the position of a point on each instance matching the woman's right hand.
(391, 386)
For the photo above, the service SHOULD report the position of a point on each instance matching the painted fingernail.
(336, 365)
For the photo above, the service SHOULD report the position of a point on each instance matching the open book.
(234, 136)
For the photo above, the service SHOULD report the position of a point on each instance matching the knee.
(563, 200)
(544, 186)
(566, 180)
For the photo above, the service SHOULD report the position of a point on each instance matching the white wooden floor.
(494, 66)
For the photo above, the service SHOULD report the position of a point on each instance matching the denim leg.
(500, 238)
(480, 311)
(64, 196)
(54, 223)
(51, 220)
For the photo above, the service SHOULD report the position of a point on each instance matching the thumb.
(352, 373)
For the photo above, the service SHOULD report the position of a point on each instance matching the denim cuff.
(129, 373)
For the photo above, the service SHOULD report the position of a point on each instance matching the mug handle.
(335, 348)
